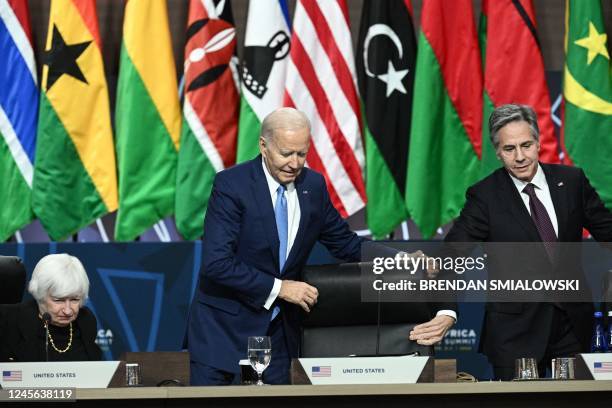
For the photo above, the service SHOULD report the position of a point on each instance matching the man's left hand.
(433, 331)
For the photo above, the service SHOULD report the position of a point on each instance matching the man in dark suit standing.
(263, 218)
(526, 201)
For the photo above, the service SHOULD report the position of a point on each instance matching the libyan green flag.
(587, 90)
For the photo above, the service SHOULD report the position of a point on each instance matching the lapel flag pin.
(560, 184)
(305, 192)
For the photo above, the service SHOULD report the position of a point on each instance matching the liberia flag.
(321, 82)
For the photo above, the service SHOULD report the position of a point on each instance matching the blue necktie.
(282, 221)
(280, 213)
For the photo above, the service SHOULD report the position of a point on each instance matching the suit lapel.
(261, 194)
(305, 210)
(558, 194)
(513, 202)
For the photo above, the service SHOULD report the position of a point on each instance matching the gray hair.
(504, 114)
(59, 276)
(283, 118)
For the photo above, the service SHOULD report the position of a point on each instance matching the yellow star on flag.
(595, 43)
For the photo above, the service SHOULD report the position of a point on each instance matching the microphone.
(46, 317)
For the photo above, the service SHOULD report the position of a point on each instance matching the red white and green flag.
(514, 72)
(210, 111)
(447, 115)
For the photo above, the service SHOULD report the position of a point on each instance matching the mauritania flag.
(447, 115)
(75, 173)
(147, 119)
(386, 55)
(210, 110)
(514, 72)
(587, 92)
(266, 52)
(18, 113)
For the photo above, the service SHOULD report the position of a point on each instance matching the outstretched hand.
(433, 331)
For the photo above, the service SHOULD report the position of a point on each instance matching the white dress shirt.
(293, 213)
(542, 192)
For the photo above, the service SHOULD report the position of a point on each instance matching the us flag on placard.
(321, 371)
(321, 83)
(602, 367)
(14, 375)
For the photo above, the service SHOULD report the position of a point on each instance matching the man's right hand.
(299, 293)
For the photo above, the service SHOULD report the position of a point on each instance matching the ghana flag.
(74, 172)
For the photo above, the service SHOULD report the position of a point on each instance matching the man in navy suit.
(526, 201)
(242, 290)
(263, 218)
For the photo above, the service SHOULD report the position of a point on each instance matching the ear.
(262, 145)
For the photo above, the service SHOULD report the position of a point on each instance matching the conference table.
(481, 394)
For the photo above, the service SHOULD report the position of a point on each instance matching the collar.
(539, 180)
(272, 183)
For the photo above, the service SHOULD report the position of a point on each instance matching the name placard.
(364, 370)
(68, 374)
(599, 365)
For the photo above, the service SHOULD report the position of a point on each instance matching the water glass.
(259, 352)
(526, 369)
(563, 368)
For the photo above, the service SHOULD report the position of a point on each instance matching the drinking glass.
(259, 352)
(526, 369)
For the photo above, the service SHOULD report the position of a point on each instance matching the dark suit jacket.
(495, 212)
(19, 325)
(240, 261)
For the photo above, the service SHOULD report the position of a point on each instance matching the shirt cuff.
(450, 313)
(273, 293)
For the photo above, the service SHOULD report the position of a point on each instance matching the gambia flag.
(587, 93)
(514, 72)
(386, 55)
(210, 110)
(147, 118)
(18, 116)
(74, 173)
(266, 53)
(447, 115)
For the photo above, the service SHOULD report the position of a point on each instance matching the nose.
(66, 309)
(519, 155)
(293, 161)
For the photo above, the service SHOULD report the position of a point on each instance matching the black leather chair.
(340, 324)
(12, 279)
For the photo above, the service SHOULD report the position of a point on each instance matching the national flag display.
(12, 375)
(321, 371)
(148, 119)
(602, 367)
(587, 94)
(18, 116)
(514, 72)
(321, 82)
(262, 71)
(75, 178)
(386, 55)
(447, 115)
(208, 138)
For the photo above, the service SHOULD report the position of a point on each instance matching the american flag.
(321, 82)
(11, 375)
(321, 371)
(602, 367)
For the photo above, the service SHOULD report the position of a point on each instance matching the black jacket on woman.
(22, 335)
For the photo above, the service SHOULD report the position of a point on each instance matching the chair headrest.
(339, 301)
(12, 278)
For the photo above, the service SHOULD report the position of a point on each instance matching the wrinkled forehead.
(292, 138)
